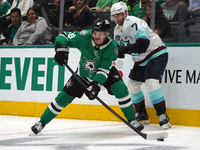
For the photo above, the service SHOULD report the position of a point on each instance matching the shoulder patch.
(116, 51)
(117, 37)
(83, 32)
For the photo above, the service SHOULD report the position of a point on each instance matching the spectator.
(193, 5)
(162, 26)
(79, 15)
(13, 28)
(54, 14)
(23, 5)
(33, 31)
(103, 5)
(186, 2)
(139, 10)
(130, 3)
(189, 31)
(175, 11)
(160, 1)
(4, 7)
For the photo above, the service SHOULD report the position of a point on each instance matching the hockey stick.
(152, 136)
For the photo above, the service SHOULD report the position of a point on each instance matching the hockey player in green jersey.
(98, 53)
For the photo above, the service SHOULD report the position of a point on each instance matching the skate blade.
(166, 126)
(32, 134)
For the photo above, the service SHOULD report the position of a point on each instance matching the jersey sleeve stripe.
(103, 73)
(143, 39)
(64, 35)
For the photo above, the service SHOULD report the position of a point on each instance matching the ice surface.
(64, 134)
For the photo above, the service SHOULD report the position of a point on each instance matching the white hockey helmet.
(117, 8)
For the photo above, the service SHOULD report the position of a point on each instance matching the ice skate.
(136, 124)
(164, 121)
(142, 117)
(37, 128)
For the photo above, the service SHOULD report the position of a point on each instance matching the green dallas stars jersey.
(94, 64)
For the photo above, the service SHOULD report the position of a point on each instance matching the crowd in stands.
(34, 30)
(22, 22)
(162, 25)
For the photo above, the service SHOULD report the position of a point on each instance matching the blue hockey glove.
(93, 90)
(61, 56)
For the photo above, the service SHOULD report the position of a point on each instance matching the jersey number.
(136, 27)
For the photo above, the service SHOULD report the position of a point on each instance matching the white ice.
(64, 134)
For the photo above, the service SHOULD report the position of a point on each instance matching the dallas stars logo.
(69, 83)
(89, 65)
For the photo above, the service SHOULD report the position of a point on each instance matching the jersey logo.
(127, 19)
(83, 32)
(69, 83)
(89, 65)
(116, 51)
(124, 43)
(117, 37)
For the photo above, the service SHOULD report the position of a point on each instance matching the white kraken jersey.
(137, 29)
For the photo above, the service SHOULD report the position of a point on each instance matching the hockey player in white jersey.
(150, 57)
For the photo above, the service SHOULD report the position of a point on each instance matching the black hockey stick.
(152, 136)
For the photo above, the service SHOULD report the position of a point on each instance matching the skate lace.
(38, 126)
(135, 123)
(162, 117)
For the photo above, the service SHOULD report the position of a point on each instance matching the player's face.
(119, 18)
(99, 37)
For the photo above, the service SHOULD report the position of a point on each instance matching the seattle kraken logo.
(89, 65)
(124, 43)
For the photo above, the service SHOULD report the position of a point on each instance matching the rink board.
(30, 80)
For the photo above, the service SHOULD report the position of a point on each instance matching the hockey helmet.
(117, 8)
(101, 25)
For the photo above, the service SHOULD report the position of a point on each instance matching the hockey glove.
(125, 49)
(61, 56)
(93, 90)
(120, 52)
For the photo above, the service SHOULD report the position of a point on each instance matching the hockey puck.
(160, 139)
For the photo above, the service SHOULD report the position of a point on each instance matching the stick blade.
(155, 136)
